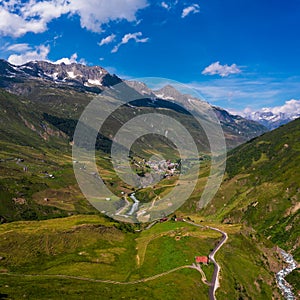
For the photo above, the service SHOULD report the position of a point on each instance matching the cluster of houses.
(166, 167)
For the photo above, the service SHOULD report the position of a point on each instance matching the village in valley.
(163, 168)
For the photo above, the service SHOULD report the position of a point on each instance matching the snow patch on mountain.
(273, 117)
(71, 74)
(94, 82)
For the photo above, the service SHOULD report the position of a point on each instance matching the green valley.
(55, 245)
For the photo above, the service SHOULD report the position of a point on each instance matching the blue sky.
(238, 54)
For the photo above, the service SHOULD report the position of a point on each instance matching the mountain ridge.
(95, 79)
(76, 75)
(33, 79)
(271, 119)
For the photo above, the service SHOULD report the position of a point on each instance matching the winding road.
(215, 279)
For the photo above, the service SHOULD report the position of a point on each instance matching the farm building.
(201, 259)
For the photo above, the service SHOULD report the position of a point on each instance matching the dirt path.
(100, 280)
(204, 279)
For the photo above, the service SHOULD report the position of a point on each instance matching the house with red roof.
(201, 260)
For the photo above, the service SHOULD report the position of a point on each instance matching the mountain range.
(73, 74)
(34, 80)
(95, 79)
(271, 119)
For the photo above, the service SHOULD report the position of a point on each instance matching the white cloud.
(38, 53)
(168, 5)
(251, 91)
(109, 39)
(25, 53)
(18, 17)
(193, 9)
(130, 36)
(222, 70)
(45, 11)
(106, 11)
(290, 107)
(14, 25)
(134, 36)
(165, 5)
(235, 93)
(68, 61)
(18, 48)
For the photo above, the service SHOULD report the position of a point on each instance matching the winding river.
(135, 205)
(280, 276)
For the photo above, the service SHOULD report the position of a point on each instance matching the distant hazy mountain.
(273, 119)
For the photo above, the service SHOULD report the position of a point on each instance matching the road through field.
(215, 279)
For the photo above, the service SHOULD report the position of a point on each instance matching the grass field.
(183, 284)
(93, 248)
(246, 271)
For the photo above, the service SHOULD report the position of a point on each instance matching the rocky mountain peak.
(271, 119)
(141, 88)
(62, 72)
(71, 74)
(168, 92)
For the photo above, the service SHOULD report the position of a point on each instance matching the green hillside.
(29, 152)
(36, 172)
(262, 186)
